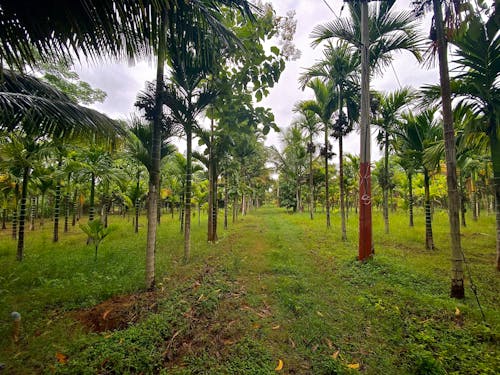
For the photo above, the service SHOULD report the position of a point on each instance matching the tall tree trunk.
(42, 210)
(154, 177)
(92, 198)
(327, 186)
(311, 177)
(457, 272)
(22, 215)
(429, 242)
(181, 211)
(137, 208)
(342, 190)
(365, 248)
(4, 218)
(226, 198)
(410, 197)
(386, 182)
(67, 205)
(57, 211)
(495, 157)
(474, 202)
(33, 213)
(75, 208)
(187, 223)
(235, 207)
(211, 166)
(462, 203)
(14, 223)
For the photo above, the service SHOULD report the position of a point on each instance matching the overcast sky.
(122, 82)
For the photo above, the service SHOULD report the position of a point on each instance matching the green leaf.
(258, 95)
(275, 50)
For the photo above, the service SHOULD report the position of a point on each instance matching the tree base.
(457, 289)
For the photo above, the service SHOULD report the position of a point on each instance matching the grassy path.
(275, 287)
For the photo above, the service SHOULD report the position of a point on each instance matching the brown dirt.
(118, 312)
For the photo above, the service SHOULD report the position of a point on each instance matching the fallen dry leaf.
(336, 354)
(61, 358)
(354, 366)
(106, 313)
(276, 327)
(280, 365)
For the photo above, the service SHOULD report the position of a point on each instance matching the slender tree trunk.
(210, 236)
(75, 208)
(235, 207)
(4, 218)
(462, 203)
(181, 212)
(33, 213)
(386, 182)
(429, 243)
(154, 177)
(14, 223)
(474, 205)
(365, 248)
(42, 210)
(216, 205)
(22, 214)
(410, 197)
(457, 272)
(495, 157)
(67, 205)
(226, 198)
(311, 177)
(327, 185)
(137, 208)
(92, 198)
(57, 212)
(342, 190)
(187, 224)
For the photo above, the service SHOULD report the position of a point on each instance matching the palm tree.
(323, 106)
(390, 108)
(291, 161)
(308, 121)
(340, 67)
(21, 152)
(415, 135)
(389, 32)
(479, 61)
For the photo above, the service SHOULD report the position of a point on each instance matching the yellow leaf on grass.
(61, 358)
(319, 313)
(457, 311)
(276, 327)
(336, 354)
(354, 366)
(280, 365)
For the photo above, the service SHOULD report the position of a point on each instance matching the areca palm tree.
(340, 67)
(117, 28)
(390, 108)
(309, 121)
(21, 152)
(323, 106)
(389, 31)
(479, 60)
(415, 135)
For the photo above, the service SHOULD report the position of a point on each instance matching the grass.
(275, 286)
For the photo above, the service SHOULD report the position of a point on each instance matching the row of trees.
(408, 122)
(210, 59)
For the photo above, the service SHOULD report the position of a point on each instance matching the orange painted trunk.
(365, 213)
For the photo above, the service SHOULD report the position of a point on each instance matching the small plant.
(96, 232)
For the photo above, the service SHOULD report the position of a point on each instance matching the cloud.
(122, 82)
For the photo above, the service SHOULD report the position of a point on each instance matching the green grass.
(275, 286)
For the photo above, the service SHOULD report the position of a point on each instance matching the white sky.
(122, 82)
